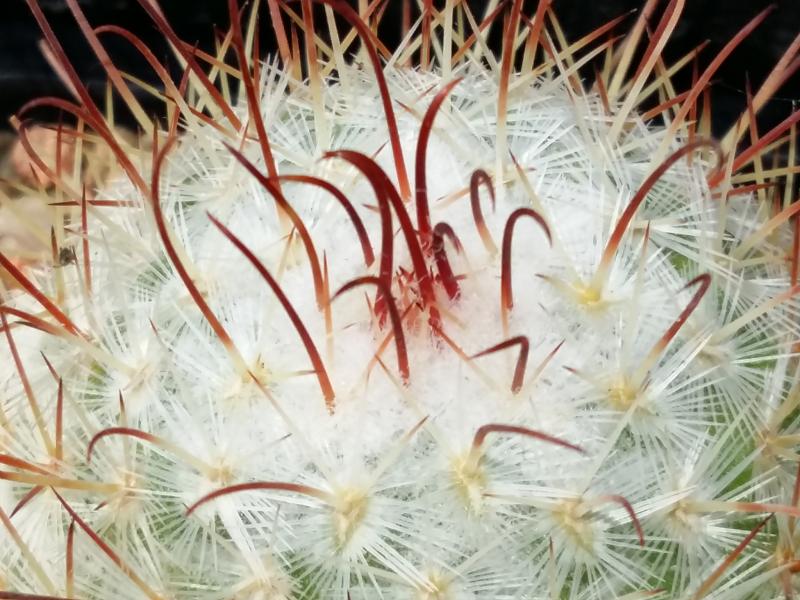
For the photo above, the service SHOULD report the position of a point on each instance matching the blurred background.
(25, 74)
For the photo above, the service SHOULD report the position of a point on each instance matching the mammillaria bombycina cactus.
(423, 322)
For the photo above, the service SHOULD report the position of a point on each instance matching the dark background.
(24, 74)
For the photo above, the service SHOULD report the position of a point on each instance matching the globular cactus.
(426, 323)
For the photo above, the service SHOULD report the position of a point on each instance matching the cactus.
(422, 323)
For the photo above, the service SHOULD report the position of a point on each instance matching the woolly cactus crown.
(465, 329)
